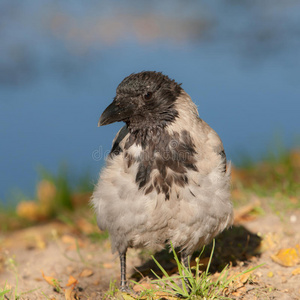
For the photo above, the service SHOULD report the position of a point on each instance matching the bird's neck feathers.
(145, 129)
(153, 120)
(151, 127)
(186, 108)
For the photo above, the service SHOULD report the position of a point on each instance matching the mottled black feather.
(116, 149)
(223, 155)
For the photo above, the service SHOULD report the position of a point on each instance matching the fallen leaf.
(239, 292)
(242, 214)
(144, 286)
(270, 274)
(28, 210)
(51, 280)
(86, 273)
(244, 277)
(70, 294)
(236, 285)
(127, 297)
(286, 257)
(296, 271)
(72, 281)
(269, 241)
(162, 295)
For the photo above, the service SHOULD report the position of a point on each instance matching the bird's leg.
(185, 260)
(123, 285)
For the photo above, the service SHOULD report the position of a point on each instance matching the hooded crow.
(166, 178)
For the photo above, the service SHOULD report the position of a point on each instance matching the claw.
(125, 289)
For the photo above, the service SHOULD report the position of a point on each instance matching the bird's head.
(144, 99)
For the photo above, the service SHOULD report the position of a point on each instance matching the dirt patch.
(57, 251)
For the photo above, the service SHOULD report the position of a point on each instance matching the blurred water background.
(61, 61)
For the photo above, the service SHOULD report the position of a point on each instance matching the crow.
(166, 179)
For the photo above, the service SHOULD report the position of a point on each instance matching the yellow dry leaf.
(286, 257)
(28, 210)
(244, 277)
(72, 281)
(144, 286)
(239, 293)
(296, 271)
(127, 297)
(70, 294)
(243, 214)
(162, 295)
(270, 240)
(51, 280)
(270, 274)
(86, 273)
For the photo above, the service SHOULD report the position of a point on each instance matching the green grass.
(192, 282)
(10, 292)
(4, 291)
(112, 291)
(277, 177)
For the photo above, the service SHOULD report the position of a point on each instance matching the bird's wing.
(116, 149)
(210, 147)
(218, 147)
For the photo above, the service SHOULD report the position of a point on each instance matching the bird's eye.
(148, 96)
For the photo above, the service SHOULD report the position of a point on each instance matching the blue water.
(60, 66)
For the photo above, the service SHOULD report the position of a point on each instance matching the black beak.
(115, 113)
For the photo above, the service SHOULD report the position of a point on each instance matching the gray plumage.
(166, 177)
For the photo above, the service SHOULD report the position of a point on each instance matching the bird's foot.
(126, 289)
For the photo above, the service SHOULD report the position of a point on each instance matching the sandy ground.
(56, 250)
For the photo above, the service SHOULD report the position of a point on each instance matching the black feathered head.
(144, 99)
